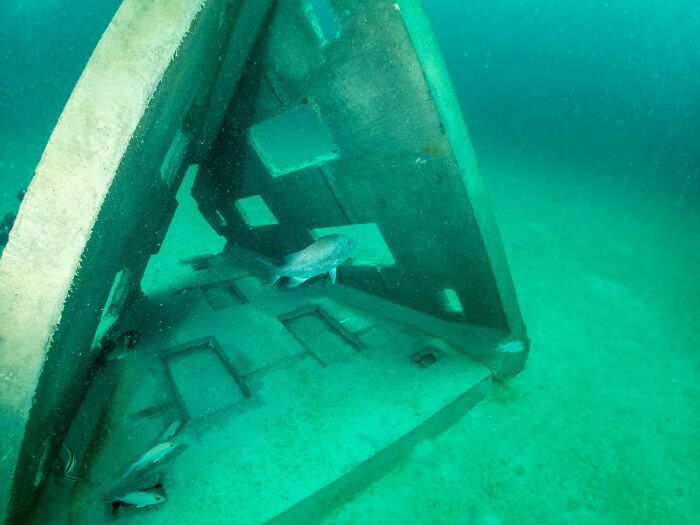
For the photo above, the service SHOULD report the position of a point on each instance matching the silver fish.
(140, 498)
(152, 456)
(171, 430)
(323, 256)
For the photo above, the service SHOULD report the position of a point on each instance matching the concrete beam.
(99, 204)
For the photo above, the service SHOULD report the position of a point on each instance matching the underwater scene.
(349, 262)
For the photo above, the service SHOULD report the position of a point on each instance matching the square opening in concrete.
(173, 158)
(293, 140)
(204, 380)
(372, 251)
(255, 212)
(451, 301)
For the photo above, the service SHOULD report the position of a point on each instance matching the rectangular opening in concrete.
(451, 302)
(293, 140)
(223, 295)
(323, 20)
(371, 251)
(255, 212)
(172, 161)
(204, 380)
(113, 305)
(221, 220)
(321, 334)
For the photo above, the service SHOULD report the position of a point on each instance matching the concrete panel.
(402, 161)
(305, 436)
(100, 202)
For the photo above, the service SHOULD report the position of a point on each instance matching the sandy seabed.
(602, 427)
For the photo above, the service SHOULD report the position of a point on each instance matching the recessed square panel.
(321, 334)
(321, 340)
(223, 295)
(254, 212)
(204, 380)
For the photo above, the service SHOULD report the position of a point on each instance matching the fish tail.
(272, 271)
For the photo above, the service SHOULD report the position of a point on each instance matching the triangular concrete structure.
(301, 118)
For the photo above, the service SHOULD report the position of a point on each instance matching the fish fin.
(131, 469)
(333, 274)
(295, 281)
(272, 271)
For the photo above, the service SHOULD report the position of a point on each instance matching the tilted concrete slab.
(99, 204)
(307, 414)
(358, 130)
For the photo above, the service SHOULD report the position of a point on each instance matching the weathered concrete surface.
(100, 202)
(333, 397)
(402, 163)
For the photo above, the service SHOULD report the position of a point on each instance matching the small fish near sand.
(171, 430)
(139, 498)
(150, 457)
(321, 257)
